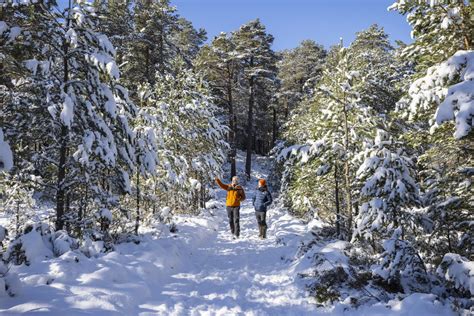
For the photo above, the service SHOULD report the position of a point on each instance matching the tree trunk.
(466, 42)
(248, 160)
(275, 127)
(338, 211)
(467, 32)
(348, 197)
(82, 210)
(147, 65)
(137, 220)
(17, 218)
(67, 210)
(448, 235)
(61, 174)
(202, 193)
(161, 49)
(347, 179)
(232, 123)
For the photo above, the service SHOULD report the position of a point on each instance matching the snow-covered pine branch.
(448, 88)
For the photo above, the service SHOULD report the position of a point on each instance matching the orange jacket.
(234, 194)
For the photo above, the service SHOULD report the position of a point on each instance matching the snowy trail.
(200, 270)
(234, 276)
(243, 276)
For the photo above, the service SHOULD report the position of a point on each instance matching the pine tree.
(253, 48)
(117, 22)
(374, 56)
(321, 121)
(440, 28)
(299, 70)
(433, 103)
(79, 109)
(191, 145)
(343, 122)
(155, 21)
(353, 96)
(440, 96)
(220, 67)
(188, 41)
(388, 189)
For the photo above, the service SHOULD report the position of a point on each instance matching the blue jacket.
(262, 199)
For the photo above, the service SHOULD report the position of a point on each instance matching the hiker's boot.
(260, 231)
(264, 232)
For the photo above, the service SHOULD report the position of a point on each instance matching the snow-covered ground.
(200, 270)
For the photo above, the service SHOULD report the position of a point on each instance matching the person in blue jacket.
(261, 201)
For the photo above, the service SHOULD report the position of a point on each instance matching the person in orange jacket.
(235, 194)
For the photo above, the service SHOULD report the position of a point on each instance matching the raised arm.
(222, 185)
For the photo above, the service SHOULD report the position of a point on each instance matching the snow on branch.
(301, 152)
(459, 102)
(6, 156)
(450, 86)
(458, 270)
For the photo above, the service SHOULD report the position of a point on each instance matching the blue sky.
(291, 21)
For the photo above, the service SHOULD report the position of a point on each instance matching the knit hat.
(262, 182)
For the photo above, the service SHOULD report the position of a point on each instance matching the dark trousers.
(233, 212)
(261, 217)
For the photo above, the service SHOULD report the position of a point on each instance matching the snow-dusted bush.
(17, 202)
(459, 271)
(33, 244)
(104, 216)
(163, 219)
(165, 215)
(401, 264)
(38, 242)
(9, 283)
(92, 248)
(340, 271)
(3, 266)
(63, 243)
